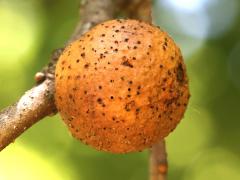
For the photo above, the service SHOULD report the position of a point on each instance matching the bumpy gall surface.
(122, 86)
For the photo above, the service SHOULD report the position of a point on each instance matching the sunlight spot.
(186, 5)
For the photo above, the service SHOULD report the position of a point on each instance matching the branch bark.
(32, 106)
(38, 102)
(135, 9)
(158, 162)
(92, 13)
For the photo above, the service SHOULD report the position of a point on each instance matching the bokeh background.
(206, 144)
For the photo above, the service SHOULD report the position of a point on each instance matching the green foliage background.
(206, 144)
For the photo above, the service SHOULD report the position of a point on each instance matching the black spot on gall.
(83, 55)
(126, 63)
(100, 101)
(180, 73)
(86, 65)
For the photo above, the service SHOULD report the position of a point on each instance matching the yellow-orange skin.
(122, 86)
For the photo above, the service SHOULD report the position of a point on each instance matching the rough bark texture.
(33, 106)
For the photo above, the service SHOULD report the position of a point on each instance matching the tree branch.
(92, 13)
(158, 162)
(38, 102)
(135, 9)
(32, 106)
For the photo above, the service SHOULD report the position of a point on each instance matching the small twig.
(158, 162)
(39, 101)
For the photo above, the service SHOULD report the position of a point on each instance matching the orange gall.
(122, 86)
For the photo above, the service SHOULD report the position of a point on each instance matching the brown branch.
(92, 12)
(38, 102)
(32, 106)
(158, 162)
(135, 9)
